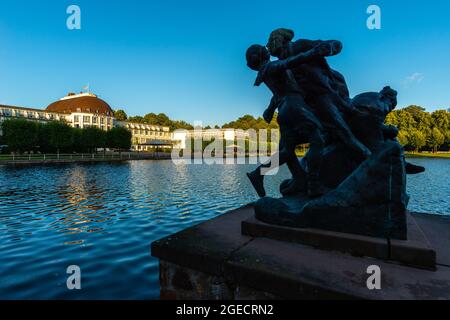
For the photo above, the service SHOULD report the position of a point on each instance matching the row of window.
(77, 125)
(94, 119)
(150, 133)
(30, 114)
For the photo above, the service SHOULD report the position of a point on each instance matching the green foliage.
(420, 129)
(441, 120)
(416, 139)
(59, 135)
(403, 137)
(136, 119)
(435, 139)
(22, 135)
(249, 122)
(119, 138)
(93, 138)
(120, 115)
(161, 120)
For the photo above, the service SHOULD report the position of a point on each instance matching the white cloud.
(415, 78)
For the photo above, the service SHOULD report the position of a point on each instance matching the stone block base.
(416, 251)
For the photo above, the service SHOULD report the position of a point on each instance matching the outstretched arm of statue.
(304, 45)
(270, 111)
(321, 50)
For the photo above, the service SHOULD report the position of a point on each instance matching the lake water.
(103, 217)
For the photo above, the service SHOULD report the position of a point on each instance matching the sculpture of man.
(369, 125)
(298, 124)
(324, 89)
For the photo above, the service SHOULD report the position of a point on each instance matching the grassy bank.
(445, 155)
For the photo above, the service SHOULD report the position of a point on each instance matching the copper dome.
(84, 103)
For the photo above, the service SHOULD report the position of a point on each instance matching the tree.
(77, 140)
(441, 120)
(119, 138)
(435, 139)
(20, 135)
(136, 119)
(120, 115)
(59, 135)
(402, 119)
(180, 124)
(403, 138)
(447, 139)
(92, 138)
(421, 118)
(416, 139)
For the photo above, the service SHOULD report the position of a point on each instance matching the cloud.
(415, 78)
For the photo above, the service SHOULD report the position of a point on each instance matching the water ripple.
(103, 218)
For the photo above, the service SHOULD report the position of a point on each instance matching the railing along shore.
(81, 157)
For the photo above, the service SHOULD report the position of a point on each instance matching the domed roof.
(84, 102)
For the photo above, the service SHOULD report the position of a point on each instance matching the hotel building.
(88, 110)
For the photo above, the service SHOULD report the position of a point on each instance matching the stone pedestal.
(414, 252)
(214, 260)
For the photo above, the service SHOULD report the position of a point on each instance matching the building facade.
(88, 110)
(147, 137)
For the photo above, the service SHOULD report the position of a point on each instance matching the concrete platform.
(214, 260)
(416, 251)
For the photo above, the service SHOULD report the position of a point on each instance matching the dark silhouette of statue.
(353, 178)
(297, 122)
(324, 89)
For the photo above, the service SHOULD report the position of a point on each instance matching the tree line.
(21, 135)
(160, 119)
(420, 130)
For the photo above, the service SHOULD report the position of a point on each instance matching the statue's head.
(257, 55)
(279, 39)
(390, 96)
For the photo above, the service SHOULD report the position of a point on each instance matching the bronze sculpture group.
(353, 177)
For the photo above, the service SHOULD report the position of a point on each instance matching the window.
(102, 120)
(76, 119)
(94, 119)
(86, 119)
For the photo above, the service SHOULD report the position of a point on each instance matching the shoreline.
(428, 155)
(78, 158)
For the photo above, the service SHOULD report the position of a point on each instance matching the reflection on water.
(103, 218)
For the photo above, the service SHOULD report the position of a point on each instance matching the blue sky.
(186, 58)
